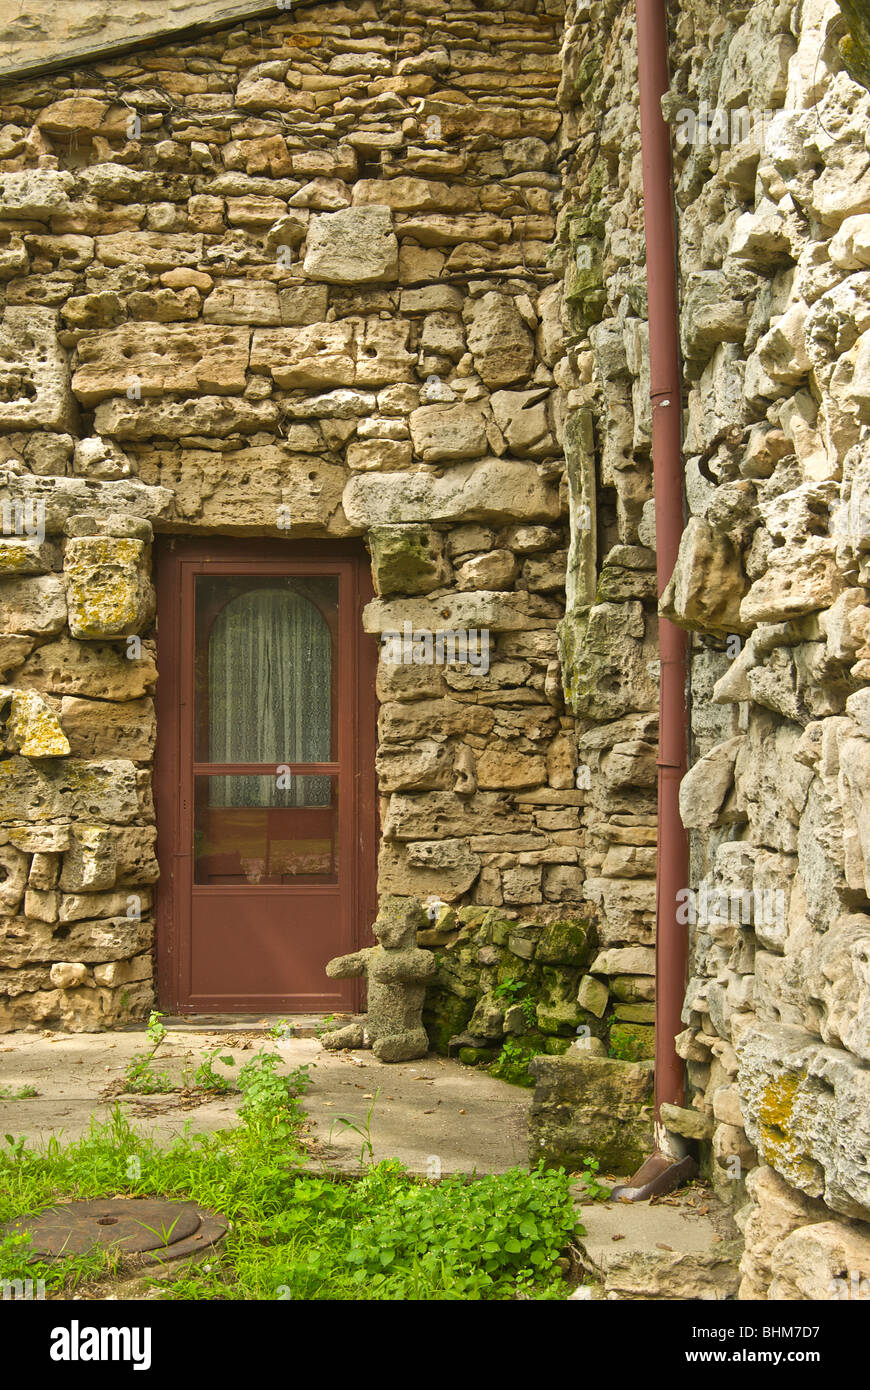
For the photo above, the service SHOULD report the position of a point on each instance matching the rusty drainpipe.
(668, 1165)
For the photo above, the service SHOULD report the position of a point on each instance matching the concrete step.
(681, 1247)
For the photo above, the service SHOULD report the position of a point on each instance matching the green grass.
(296, 1233)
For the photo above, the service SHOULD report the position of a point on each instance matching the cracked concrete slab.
(432, 1108)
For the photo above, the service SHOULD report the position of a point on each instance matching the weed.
(510, 989)
(361, 1127)
(208, 1079)
(140, 1075)
(293, 1232)
(23, 1093)
(512, 1064)
(270, 1105)
(595, 1190)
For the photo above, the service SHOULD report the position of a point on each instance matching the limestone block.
(454, 612)
(57, 499)
(90, 863)
(108, 589)
(782, 352)
(74, 907)
(501, 765)
(423, 766)
(444, 335)
(562, 883)
(593, 996)
(204, 415)
(26, 555)
(800, 578)
(258, 93)
(501, 344)
(383, 454)
(776, 1209)
(382, 356)
(32, 605)
(121, 972)
(14, 865)
(100, 458)
(405, 194)
(106, 790)
(355, 246)
(522, 417)
(23, 942)
(585, 1104)
(606, 661)
(821, 1261)
(82, 1010)
(706, 588)
(158, 358)
(66, 974)
(444, 813)
(255, 210)
(625, 960)
(490, 489)
(712, 312)
(331, 354)
(135, 854)
(99, 670)
(850, 247)
(627, 911)
(495, 570)
(807, 1111)
(447, 868)
(447, 432)
(159, 252)
(521, 886)
(29, 726)
(836, 321)
(35, 195)
(243, 301)
(43, 871)
(706, 785)
(34, 376)
(407, 560)
(78, 115)
(840, 979)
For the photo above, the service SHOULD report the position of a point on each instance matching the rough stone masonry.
(381, 266)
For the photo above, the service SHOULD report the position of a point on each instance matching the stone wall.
(774, 257)
(773, 197)
(287, 279)
(608, 640)
(378, 271)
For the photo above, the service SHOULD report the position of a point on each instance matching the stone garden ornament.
(396, 971)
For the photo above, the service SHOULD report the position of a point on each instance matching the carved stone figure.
(396, 971)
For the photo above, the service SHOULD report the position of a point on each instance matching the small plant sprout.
(360, 1127)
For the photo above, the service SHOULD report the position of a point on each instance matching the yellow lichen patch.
(107, 591)
(15, 557)
(779, 1144)
(34, 729)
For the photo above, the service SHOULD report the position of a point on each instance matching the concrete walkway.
(428, 1112)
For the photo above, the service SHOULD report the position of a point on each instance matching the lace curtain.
(269, 681)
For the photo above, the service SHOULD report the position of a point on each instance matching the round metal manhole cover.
(145, 1226)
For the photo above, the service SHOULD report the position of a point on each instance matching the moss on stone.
(632, 1042)
(477, 1056)
(404, 559)
(855, 45)
(445, 1015)
(572, 942)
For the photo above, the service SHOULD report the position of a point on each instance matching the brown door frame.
(173, 555)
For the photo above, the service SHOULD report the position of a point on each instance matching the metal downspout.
(666, 1167)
